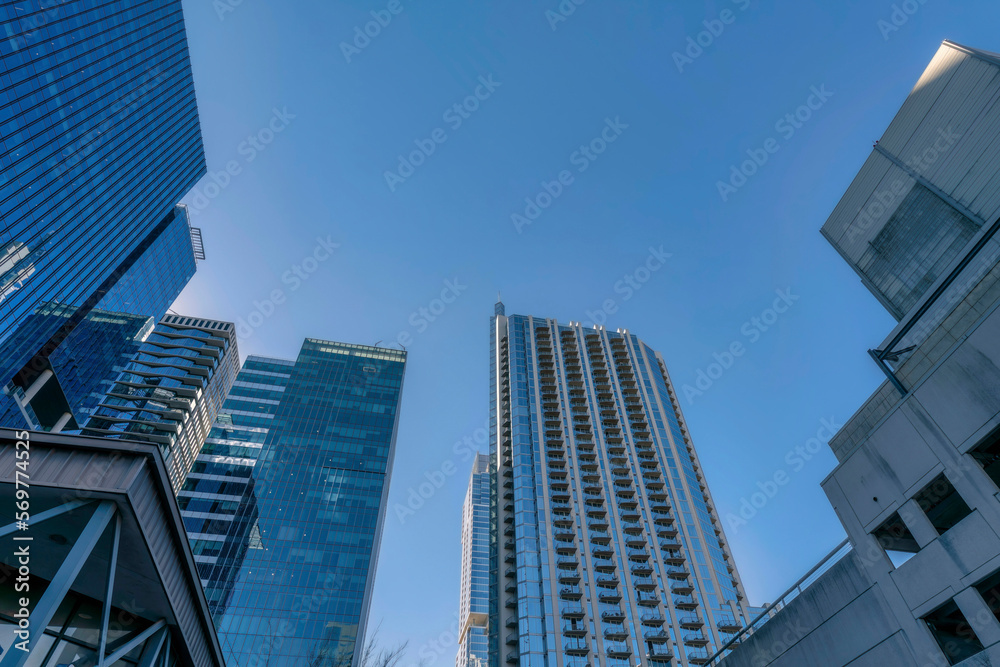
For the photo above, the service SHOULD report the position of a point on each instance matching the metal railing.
(803, 583)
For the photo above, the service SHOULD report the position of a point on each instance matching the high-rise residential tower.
(172, 390)
(101, 141)
(474, 605)
(286, 502)
(606, 547)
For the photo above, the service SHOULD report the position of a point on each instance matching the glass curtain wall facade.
(90, 347)
(474, 605)
(172, 390)
(311, 448)
(218, 500)
(607, 548)
(100, 141)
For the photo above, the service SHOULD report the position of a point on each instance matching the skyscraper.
(218, 500)
(101, 140)
(606, 547)
(171, 390)
(87, 348)
(301, 475)
(474, 605)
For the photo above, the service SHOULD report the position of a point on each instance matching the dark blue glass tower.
(285, 504)
(85, 348)
(99, 140)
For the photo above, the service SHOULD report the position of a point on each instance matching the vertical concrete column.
(918, 523)
(978, 614)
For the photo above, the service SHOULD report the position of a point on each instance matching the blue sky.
(306, 235)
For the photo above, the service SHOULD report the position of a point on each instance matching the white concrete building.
(918, 482)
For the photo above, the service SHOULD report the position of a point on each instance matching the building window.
(953, 633)
(896, 539)
(987, 454)
(989, 588)
(942, 504)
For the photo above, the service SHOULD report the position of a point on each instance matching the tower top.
(499, 309)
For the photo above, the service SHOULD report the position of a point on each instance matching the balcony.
(612, 612)
(572, 611)
(604, 564)
(637, 554)
(635, 541)
(511, 572)
(511, 587)
(573, 629)
(631, 526)
(609, 595)
(672, 557)
(570, 592)
(647, 598)
(602, 551)
(690, 621)
(576, 646)
(652, 617)
(644, 582)
(729, 624)
(677, 571)
(695, 639)
(698, 656)
(567, 561)
(615, 631)
(569, 576)
(512, 639)
(513, 657)
(685, 602)
(606, 579)
(683, 587)
(617, 649)
(656, 636)
(640, 569)
(600, 536)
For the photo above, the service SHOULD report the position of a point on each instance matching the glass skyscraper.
(285, 504)
(100, 140)
(85, 349)
(474, 606)
(606, 547)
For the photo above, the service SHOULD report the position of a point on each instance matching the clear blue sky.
(323, 177)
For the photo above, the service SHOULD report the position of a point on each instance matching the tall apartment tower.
(286, 502)
(917, 485)
(606, 547)
(172, 390)
(474, 605)
(101, 141)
